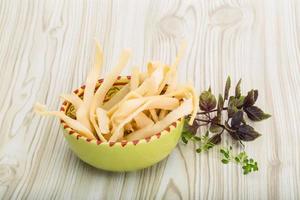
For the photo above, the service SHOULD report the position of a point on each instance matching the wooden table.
(47, 47)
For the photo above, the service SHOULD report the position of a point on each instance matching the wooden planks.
(46, 48)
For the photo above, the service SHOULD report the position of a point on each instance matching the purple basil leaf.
(237, 119)
(247, 133)
(256, 114)
(207, 101)
(234, 135)
(250, 98)
(191, 128)
(216, 139)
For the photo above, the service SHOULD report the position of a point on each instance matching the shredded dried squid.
(149, 103)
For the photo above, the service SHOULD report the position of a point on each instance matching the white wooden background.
(46, 48)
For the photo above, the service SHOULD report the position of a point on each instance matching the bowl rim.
(121, 80)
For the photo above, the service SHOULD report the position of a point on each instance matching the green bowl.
(121, 156)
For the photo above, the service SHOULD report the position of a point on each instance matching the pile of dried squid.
(148, 104)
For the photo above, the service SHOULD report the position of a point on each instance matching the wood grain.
(46, 48)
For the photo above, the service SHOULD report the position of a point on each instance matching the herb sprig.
(248, 164)
(239, 108)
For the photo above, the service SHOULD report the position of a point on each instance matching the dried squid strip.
(103, 89)
(153, 115)
(73, 99)
(92, 77)
(148, 86)
(82, 115)
(153, 103)
(184, 109)
(117, 97)
(180, 54)
(158, 102)
(103, 120)
(74, 124)
(140, 91)
(134, 81)
(142, 120)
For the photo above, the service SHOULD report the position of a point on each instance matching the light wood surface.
(46, 48)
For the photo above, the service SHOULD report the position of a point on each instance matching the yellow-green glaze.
(121, 156)
(129, 157)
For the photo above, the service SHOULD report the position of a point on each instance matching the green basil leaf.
(227, 88)
(224, 161)
(238, 89)
(214, 128)
(231, 107)
(220, 107)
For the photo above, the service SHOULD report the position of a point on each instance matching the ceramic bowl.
(120, 156)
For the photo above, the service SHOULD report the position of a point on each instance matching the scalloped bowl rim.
(78, 136)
